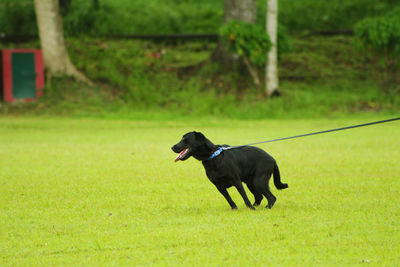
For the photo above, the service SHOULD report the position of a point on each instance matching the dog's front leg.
(225, 193)
(240, 188)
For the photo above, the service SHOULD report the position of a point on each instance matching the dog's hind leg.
(257, 196)
(271, 198)
(261, 184)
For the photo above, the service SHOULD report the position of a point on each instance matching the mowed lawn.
(106, 192)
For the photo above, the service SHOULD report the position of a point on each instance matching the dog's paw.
(270, 205)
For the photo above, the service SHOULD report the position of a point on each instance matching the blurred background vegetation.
(110, 17)
(321, 75)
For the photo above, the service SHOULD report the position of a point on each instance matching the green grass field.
(81, 192)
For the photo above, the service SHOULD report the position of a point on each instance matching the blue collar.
(216, 153)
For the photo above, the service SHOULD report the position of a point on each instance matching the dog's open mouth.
(181, 154)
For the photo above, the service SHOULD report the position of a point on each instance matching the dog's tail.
(277, 178)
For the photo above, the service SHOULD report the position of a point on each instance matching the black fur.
(247, 164)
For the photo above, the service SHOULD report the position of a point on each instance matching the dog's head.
(193, 144)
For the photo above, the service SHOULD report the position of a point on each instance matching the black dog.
(230, 167)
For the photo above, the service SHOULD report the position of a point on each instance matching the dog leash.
(308, 134)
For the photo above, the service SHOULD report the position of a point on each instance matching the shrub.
(86, 19)
(253, 42)
(17, 17)
(381, 36)
(247, 40)
(326, 15)
(142, 17)
(285, 44)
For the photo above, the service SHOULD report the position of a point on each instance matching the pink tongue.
(180, 155)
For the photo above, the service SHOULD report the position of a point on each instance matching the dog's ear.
(204, 141)
(199, 136)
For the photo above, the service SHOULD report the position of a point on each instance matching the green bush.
(252, 41)
(325, 15)
(381, 36)
(285, 44)
(17, 17)
(141, 17)
(247, 40)
(85, 19)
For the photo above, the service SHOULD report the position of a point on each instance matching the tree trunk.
(55, 55)
(242, 10)
(271, 75)
(253, 71)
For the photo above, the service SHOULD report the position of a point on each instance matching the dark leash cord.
(315, 133)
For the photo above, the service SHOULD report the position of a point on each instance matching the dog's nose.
(175, 148)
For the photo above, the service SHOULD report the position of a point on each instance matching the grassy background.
(101, 192)
(321, 77)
